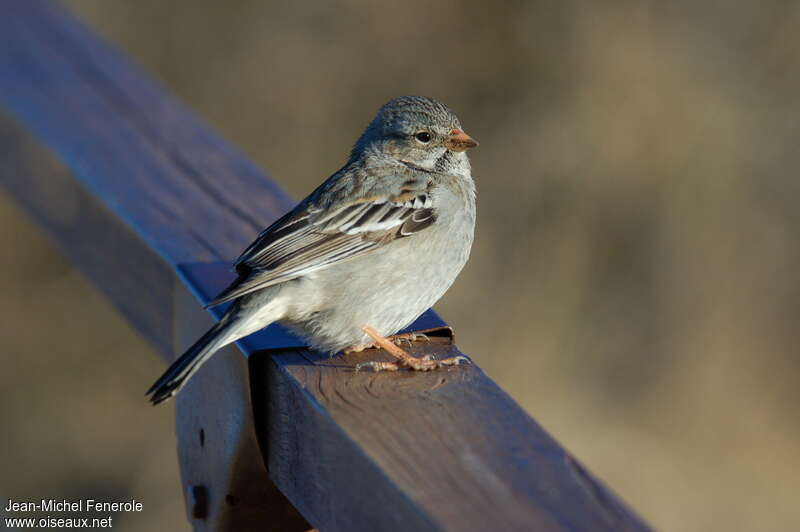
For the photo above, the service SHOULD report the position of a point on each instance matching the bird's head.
(416, 131)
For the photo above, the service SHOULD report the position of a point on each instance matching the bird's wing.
(312, 237)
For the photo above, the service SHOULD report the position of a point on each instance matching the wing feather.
(308, 239)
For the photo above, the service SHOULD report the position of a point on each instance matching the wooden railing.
(149, 203)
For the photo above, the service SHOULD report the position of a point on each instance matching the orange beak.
(459, 141)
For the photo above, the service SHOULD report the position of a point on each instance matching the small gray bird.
(370, 250)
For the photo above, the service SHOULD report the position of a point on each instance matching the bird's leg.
(404, 359)
(397, 339)
(407, 338)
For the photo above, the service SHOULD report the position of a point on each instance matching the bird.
(365, 254)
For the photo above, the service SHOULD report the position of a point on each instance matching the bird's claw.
(429, 362)
(398, 340)
(408, 338)
(425, 363)
(377, 366)
(456, 360)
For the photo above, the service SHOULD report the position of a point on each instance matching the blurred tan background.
(634, 282)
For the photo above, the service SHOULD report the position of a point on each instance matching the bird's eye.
(423, 136)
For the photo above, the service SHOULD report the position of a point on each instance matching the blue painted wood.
(153, 185)
(144, 191)
(407, 451)
(188, 194)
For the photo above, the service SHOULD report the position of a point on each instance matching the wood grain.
(440, 450)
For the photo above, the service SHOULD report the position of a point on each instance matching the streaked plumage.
(376, 244)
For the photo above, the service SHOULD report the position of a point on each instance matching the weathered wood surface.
(146, 193)
(443, 450)
(173, 190)
(225, 481)
(142, 186)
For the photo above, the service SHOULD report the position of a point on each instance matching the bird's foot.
(425, 363)
(406, 338)
(397, 339)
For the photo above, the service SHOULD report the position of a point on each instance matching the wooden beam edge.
(315, 431)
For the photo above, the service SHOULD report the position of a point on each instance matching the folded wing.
(309, 239)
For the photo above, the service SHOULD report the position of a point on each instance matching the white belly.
(386, 289)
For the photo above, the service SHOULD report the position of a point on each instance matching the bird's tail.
(182, 369)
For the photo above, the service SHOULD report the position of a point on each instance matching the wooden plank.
(227, 468)
(134, 188)
(172, 190)
(444, 450)
(95, 240)
(148, 193)
(226, 484)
